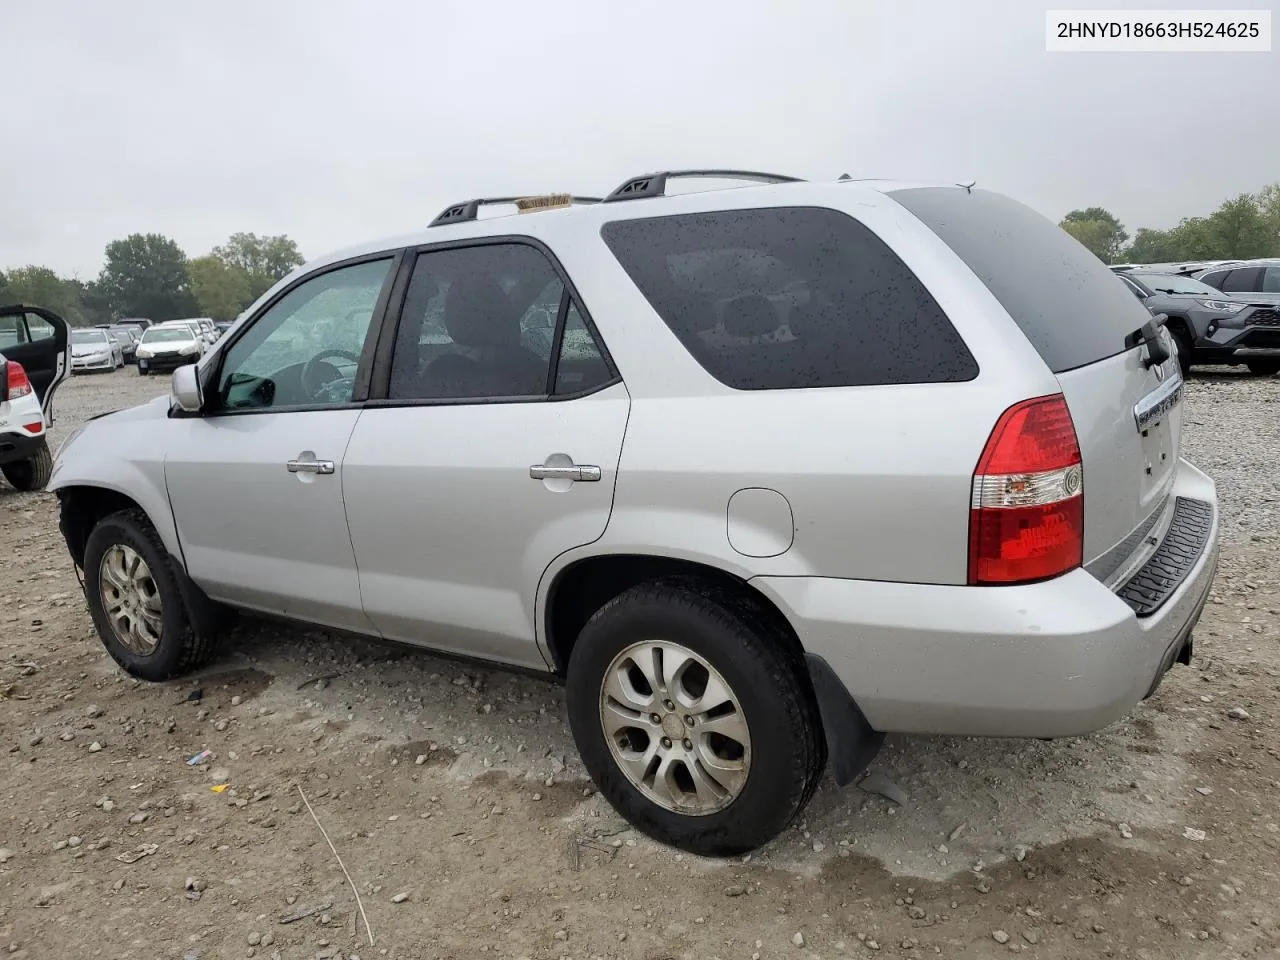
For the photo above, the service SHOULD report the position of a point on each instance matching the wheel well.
(584, 587)
(1180, 324)
(81, 509)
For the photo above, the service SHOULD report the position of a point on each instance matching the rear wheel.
(695, 717)
(1264, 368)
(32, 473)
(141, 601)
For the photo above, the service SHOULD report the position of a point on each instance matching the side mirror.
(185, 392)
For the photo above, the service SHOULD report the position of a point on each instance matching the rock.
(734, 890)
(74, 842)
(873, 945)
(254, 938)
(196, 884)
(1204, 791)
(916, 913)
(954, 835)
(999, 936)
(1031, 937)
(95, 747)
(1191, 833)
(6, 854)
(1185, 881)
(561, 935)
(983, 887)
(877, 783)
(35, 741)
(108, 805)
(138, 818)
(400, 898)
(1238, 713)
(420, 759)
(797, 938)
(236, 701)
(1126, 831)
(93, 711)
(220, 726)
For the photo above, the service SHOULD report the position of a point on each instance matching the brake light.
(1026, 516)
(19, 385)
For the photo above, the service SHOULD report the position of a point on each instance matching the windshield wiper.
(1149, 333)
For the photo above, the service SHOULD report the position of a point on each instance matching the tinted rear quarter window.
(789, 297)
(1248, 280)
(1061, 296)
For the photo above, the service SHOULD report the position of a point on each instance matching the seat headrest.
(752, 315)
(478, 313)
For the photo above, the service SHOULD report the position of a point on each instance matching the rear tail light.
(19, 385)
(1026, 516)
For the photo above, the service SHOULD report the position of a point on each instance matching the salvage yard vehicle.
(34, 360)
(798, 465)
(167, 346)
(95, 350)
(1210, 326)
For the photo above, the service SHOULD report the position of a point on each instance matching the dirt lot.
(454, 797)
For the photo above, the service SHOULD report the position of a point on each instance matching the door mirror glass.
(185, 392)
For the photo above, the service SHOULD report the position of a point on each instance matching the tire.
(1185, 349)
(1264, 368)
(785, 752)
(182, 642)
(30, 474)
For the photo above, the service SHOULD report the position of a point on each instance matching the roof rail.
(465, 210)
(655, 184)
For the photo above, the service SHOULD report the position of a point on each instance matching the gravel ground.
(459, 788)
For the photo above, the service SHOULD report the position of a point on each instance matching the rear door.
(1127, 412)
(37, 339)
(492, 450)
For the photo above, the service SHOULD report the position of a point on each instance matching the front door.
(493, 450)
(37, 339)
(256, 479)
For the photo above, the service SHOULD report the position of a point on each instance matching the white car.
(33, 361)
(167, 346)
(95, 349)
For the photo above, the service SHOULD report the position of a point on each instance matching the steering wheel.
(316, 372)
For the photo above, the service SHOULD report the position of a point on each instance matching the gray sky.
(336, 121)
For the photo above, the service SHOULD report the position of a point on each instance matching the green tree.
(221, 291)
(6, 297)
(1239, 230)
(1115, 236)
(1154, 246)
(41, 287)
(1269, 203)
(145, 275)
(263, 260)
(1097, 235)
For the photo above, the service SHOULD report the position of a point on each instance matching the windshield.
(1163, 283)
(88, 336)
(165, 335)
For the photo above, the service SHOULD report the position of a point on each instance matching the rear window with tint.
(1062, 297)
(789, 297)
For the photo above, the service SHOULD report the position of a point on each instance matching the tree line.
(1242, 228)
(149, 275)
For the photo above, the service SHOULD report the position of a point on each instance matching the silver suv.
(761, 473)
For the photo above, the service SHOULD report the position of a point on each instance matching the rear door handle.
(579, 472)
(310, 466)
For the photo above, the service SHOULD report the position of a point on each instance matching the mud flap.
(851, 743)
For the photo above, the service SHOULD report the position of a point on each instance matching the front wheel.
(138, 602)
(1264, 368)
(695, 716)
(32, 473)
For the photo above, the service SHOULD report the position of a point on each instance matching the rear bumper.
(1052, 659)
(17, 445)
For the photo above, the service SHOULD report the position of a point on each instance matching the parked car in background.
(203, 327)
(34, 360)
(1211, 327)
(135, 321)
(167, 346)
(128, 335)
(93, 349)
(1257, 279)
(921, 472)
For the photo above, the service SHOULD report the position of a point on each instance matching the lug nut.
(688, 744)
(666, 743)
(655, 718)
(688, 721)
(669, 705)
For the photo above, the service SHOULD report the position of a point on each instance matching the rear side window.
(1062, 297)
(1248, 280)
(789, 297)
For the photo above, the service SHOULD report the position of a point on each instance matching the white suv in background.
(762, 473)
(34, 360)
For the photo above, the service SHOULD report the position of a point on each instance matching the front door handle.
(324, 467)
(580, 472)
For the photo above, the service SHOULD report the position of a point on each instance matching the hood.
(154, 409)
(84, 349)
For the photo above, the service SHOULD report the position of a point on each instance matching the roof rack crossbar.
(465, 210)
(655, 184)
